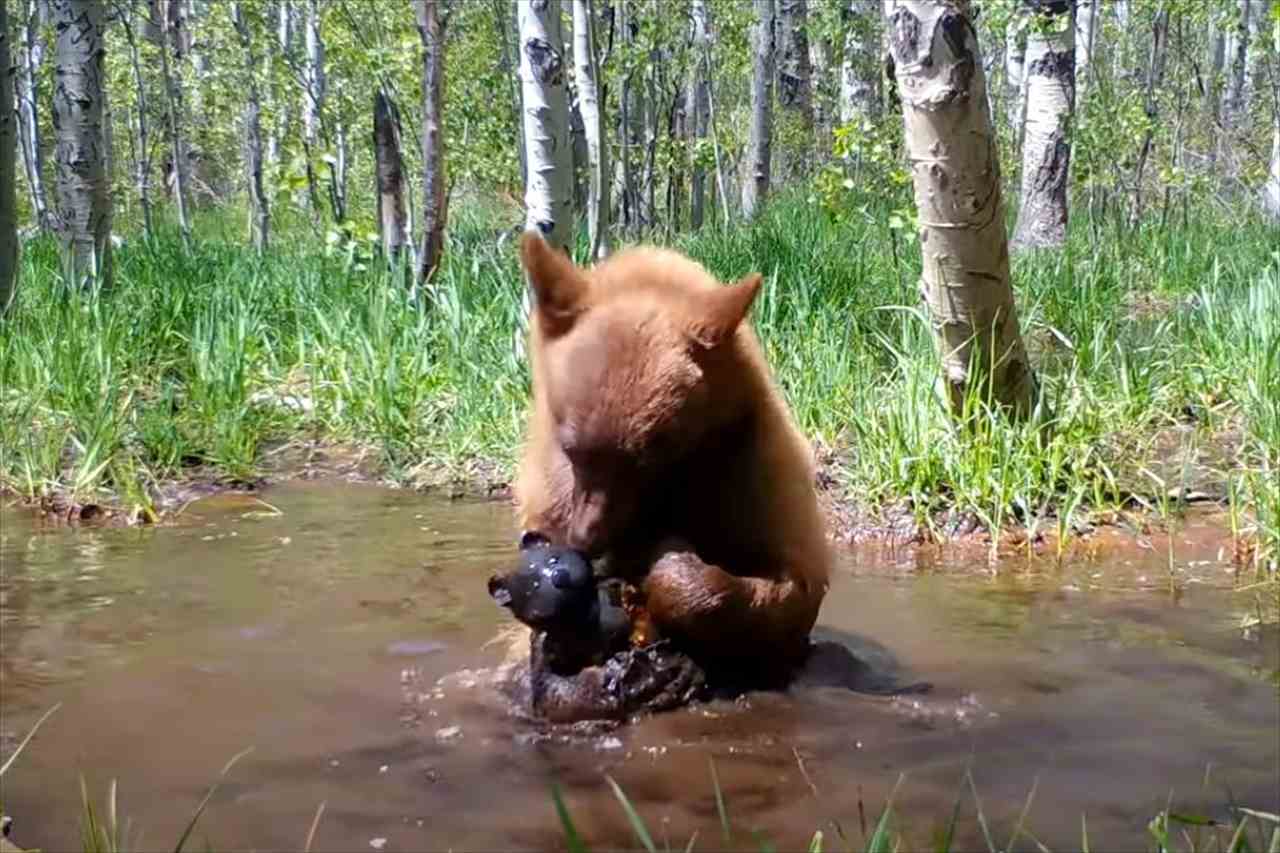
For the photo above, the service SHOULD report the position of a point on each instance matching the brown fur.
(658, 441)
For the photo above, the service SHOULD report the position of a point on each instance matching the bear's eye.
(561, 579)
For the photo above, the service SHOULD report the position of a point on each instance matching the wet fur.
(658, 441)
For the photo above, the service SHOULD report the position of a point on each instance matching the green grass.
(1169, 830)
(1156, 349)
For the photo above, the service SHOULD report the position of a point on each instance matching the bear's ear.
(559, 287)
(723, 310)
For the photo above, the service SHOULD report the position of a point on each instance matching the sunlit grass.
(1155, 348)
(1168, 831)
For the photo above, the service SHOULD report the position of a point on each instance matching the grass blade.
(720, 808)
(982, 819)
(637, 825)
(1022, 816)
(191, 825)
(315, 822)
(571, 838)
(25, 740)
(948, 837)
(880, 841)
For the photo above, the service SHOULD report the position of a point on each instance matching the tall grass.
(1155, 348)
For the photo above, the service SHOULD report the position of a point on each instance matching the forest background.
(332, 262)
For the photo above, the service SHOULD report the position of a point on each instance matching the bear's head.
(637, 362)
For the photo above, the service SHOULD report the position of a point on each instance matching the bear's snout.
(498, 590)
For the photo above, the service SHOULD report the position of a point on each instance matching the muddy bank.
(1199, 514)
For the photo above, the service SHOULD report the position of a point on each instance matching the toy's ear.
(559, 287)
(723, 311)
(532, 539)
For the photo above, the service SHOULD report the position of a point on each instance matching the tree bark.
(435, 210)
(755, 187)
(549, 185)
(956, 172)
(1155, 74)
(83, 184)
(1086, 25)
(282, 46)
(180, 169)
(502, 22)
(1046, 146)
(632, 124)
(142, 158)
(393, 216)
(699, 105)
(314, 77)
(1239, 88)
(260, 212)
(858, 66)
(1015, 64)
(1271, 190)
(587, 72)
(795, 66)
(28, 105)
(8, 147)
(825, 92)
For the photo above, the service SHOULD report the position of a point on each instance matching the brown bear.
(658, 443)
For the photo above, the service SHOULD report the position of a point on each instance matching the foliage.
(1156, 348)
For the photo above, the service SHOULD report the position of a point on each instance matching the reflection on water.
(318, 636)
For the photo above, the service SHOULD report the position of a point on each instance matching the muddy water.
(316, 635)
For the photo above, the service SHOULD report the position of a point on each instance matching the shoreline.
(952, 531)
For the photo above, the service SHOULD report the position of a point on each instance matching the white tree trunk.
(142, 158)
(1086, 24)
(755, 186)
(1046, 146)
(435, 211)
(699, 104)
(1251, 16)
(393, 215)
(586, 74)
(282, 47)
(1015, 58)
(548, 194)
(502, 13)
(8, 147)
(179, 156)
(260, 211)
(795, 66)
(951, 147)
(313, 76)
(1259, 19)
(1271, 190)
(83, 184)
(28, 105)
(858, 67)
(825, 93)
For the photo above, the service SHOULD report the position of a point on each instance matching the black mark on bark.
(544, 60)
(1056, 65)
(904, 36)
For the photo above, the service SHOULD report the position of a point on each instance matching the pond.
(314, 628)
